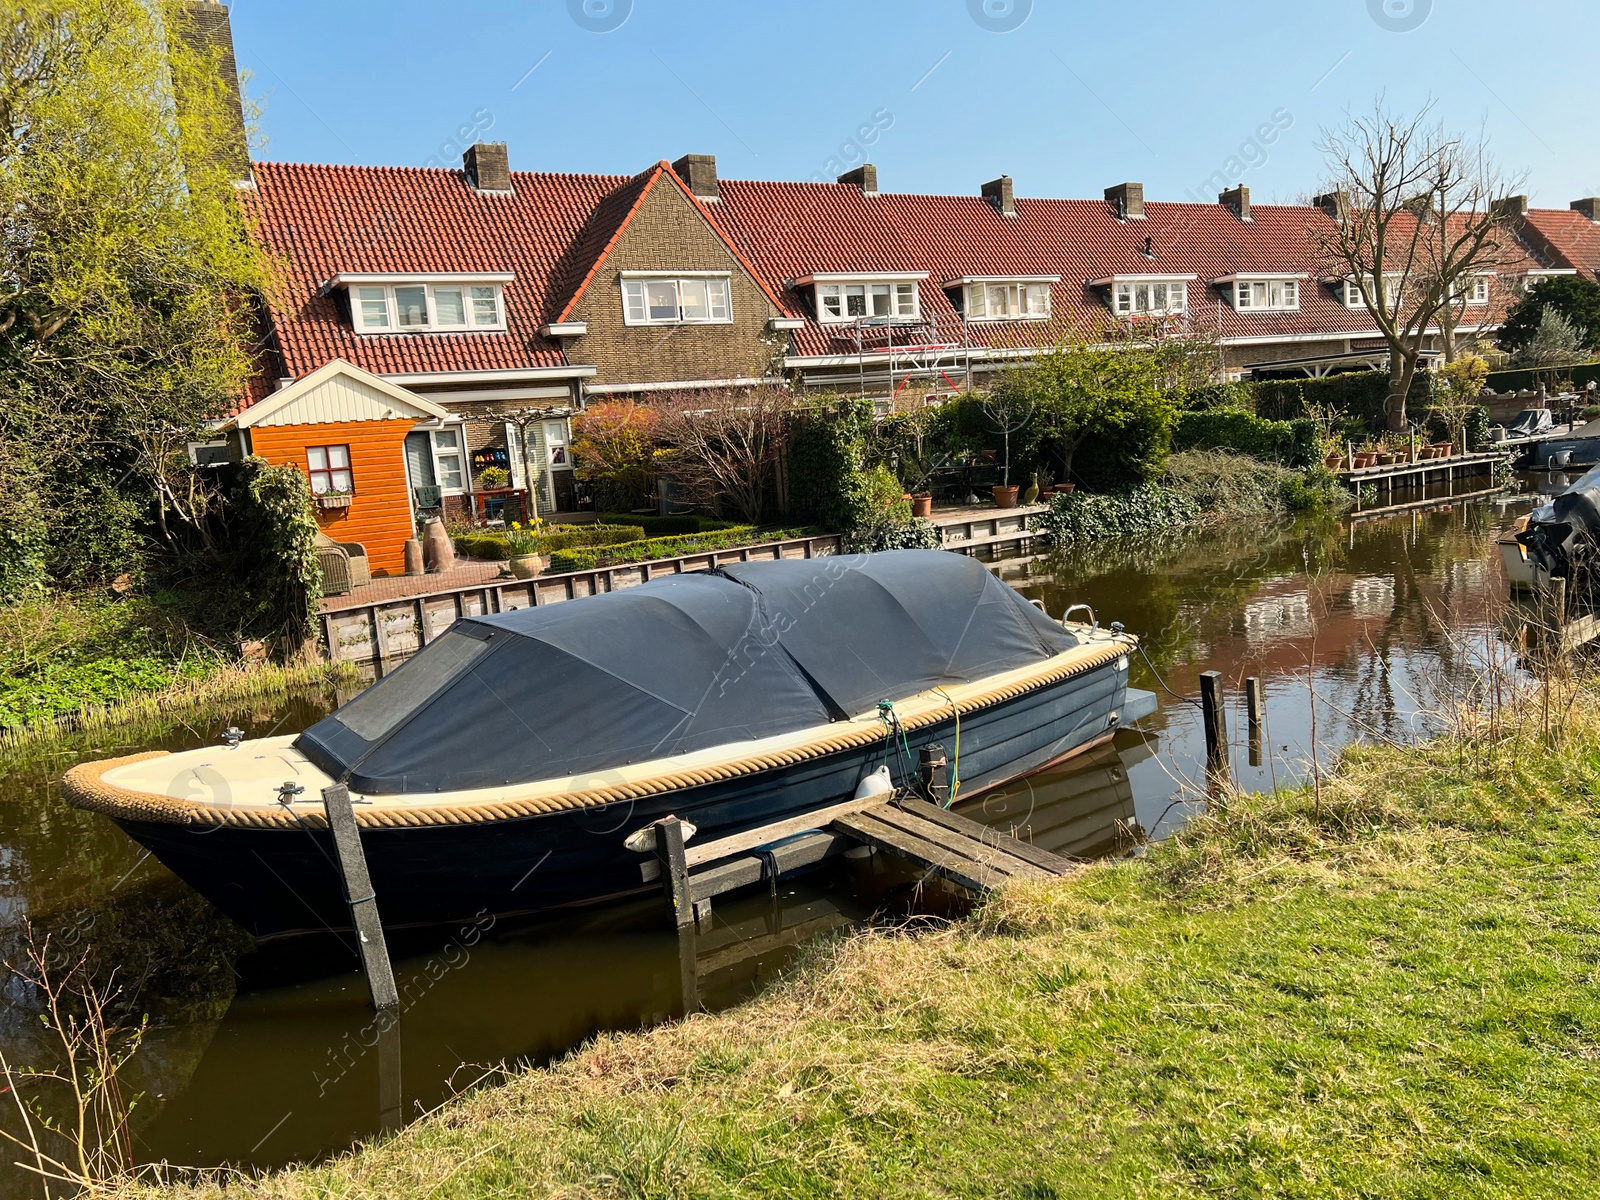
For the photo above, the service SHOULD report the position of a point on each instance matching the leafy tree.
(614, 444)
(126, 284)
(1577, 300)
(1456, 388)
(1555, 343)
(1079, 391)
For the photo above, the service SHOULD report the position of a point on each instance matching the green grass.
(70, 662)
(1387, 990)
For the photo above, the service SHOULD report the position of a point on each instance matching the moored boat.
(502, 768)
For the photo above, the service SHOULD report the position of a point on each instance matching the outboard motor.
(1562, 539)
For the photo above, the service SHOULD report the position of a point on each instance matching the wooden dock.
(1410, 475)
(992, 530)
(945, 844)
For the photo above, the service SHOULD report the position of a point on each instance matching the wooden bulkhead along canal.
(264, 1055)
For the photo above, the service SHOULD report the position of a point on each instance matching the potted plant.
(1009, 413)
(922, 504)
(494, 478)
(525, 560)
(335, 498)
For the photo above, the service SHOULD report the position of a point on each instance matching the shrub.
(667, 547)
(826, 451)
(493, 544)
(1149, 509)
(1293, 443)
(1358, 396)
(615, 446)
(912, 534)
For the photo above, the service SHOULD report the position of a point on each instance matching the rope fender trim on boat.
(85, 786)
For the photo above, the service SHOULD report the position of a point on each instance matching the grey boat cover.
(572, 691)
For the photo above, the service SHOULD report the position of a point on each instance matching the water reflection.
(271, 1056)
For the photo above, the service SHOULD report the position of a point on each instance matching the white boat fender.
(643, 841)
(874, 783)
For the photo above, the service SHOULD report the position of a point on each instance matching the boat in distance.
(502, 768)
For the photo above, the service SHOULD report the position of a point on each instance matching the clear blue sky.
(1080, 96)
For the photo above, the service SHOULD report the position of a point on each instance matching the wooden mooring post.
(675, 878)
(933, 770)
(1252, 707)
(1215, 719)
(363, 900)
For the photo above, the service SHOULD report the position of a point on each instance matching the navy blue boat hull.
(276, 882)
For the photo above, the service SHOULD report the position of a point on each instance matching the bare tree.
(724, 446)
(1418, 219)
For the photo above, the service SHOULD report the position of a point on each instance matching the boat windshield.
(395, 697)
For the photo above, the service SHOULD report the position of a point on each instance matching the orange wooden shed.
(346, 429)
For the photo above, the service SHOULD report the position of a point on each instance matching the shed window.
(329, 467)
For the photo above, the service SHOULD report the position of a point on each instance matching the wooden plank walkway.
(946, 844)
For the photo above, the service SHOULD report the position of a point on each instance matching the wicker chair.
(344, 565)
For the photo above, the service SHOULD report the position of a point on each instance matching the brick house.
(502, 302)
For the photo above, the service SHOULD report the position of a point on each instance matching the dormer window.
(1147, 295)
(425, 303)
(998, 298)
(1474, 290)
(1391, 293)
(1264, 293)
(885, 296)
(682, 298)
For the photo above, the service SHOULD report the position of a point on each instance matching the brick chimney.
(488, 167)
(998, 193)
(1589, 207)
(1335, 204)
(699, 173)
(1238, 199)
(205, 30)
(1511, 206)
(864, 177)
(1127, 201)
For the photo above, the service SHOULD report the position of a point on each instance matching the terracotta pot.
(525, 566)
(1066, 489)
(1333, 462)
(1005, 495)
(922, 504)
(1388, 460)
(1443, 449)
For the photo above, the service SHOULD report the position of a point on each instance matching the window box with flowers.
(332, 483)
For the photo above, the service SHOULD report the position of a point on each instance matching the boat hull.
(281, 881)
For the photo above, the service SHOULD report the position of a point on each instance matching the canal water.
(264, 1056)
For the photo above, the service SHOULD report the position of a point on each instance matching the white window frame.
(1018, 294)
(460, 452)
(903, 291)
(1476, 291)
(1125, 295)
(472, 293)
(1392, 290)
(1287, 298)
(635, 301)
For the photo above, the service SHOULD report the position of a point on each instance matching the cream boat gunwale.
(104, 786)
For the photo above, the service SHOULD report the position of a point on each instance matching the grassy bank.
(70, 663)
(1385, 989)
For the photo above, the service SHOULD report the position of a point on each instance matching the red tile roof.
(1568, 237)
(611, 218)
(554, 231)
(326, 220)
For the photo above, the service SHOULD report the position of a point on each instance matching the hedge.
(668, 547)
(663, 526)
(1528, 379)
(491, 544)
(1360, 394)
(1292, 443)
